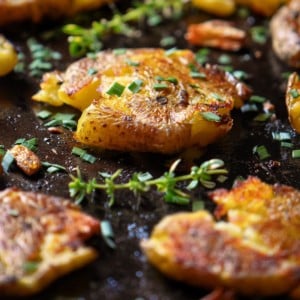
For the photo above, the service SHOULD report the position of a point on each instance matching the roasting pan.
(124, 273)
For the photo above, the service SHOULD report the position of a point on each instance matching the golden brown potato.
(26, 159)
(255, 252)
(15, 11)
(8, 56)
(41, 239)
(292, 100)
(166, 103)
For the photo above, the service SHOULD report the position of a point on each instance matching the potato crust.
(165, 120)
(23, 10)
(41, 239)
(255, 252)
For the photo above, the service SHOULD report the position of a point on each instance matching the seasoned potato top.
(146, 99)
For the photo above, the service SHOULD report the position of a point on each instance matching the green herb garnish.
(135, 86)
(210, 116)
(116, 89)
(261, 151)
(294, 93)
(141, 182)
(84, 155)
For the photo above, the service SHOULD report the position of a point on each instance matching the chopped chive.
(217, 97)
(92, 71)
(107, 234)
(159, 78)
(135, 86)
(116, 89)
(53, 123)
(294, 93)
(30, 266)
(281, 136)
(53, 168)
(224, 59)
(154, 19)
(132, 63)
(263, 117)
(241, 75)
(167, 41)
(83, 155)
(7, 161)
(44, 114)
(296, 153)
(13, 212)
(210, 116)
(172, 80)
(160, 86)
(119, 51)
(261, 151)
(286, 145)
(30, 144)
(202, 55)
(170, 51)
(63, 116)
(249, 108)
(198, 205)
(2, 150)
(257, 99)
(200, 75)
(259, 34)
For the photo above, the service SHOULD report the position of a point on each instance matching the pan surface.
(123, 273)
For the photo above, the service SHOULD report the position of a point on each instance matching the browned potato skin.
(15, 11)
(293, 101)
(26, 159)
(165, 121)
(256, 252)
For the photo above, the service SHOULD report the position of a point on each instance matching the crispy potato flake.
(255, 252)
(41, 238)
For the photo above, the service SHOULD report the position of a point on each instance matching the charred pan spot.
(183, 98)
(162, 100)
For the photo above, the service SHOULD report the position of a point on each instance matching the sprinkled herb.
(7, 161)
(13, 212)
(281, 136)
(132, 63)
(249, 108)
(53, 168)
(241, 75)
(170, 51)
(263, 117)
(217, 97)
(30, 266)
(261, 151)
(173, 80)
(286, 145)
(82, 40)
(257, 99)
(62, 119)
(259, 34)
(30, 144)
(84, 155)
(116, 89)
(243, 12)
(44, 114)
(92, 71)
(198, 205)
(108, 234)
(119, 51)
(167, 41)
(224, 59)
(210, 116)
(160, 86)
(202, 56)
(200, 75)
(294, 93)
(296, 153)
(135, 86)
(138, 183)
(2, 150)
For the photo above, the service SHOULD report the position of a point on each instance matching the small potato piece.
(218, 7)
(26, 159)
(266, 7)
(8, 56)
(217, 34)
(292, 100)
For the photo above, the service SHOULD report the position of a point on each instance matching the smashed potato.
(255, 252)
(146, 100)
(8, 56)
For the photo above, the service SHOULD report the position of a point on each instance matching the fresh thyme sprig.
(142, 182)
(84, 40)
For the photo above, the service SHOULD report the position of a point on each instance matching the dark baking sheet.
(124, 273)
